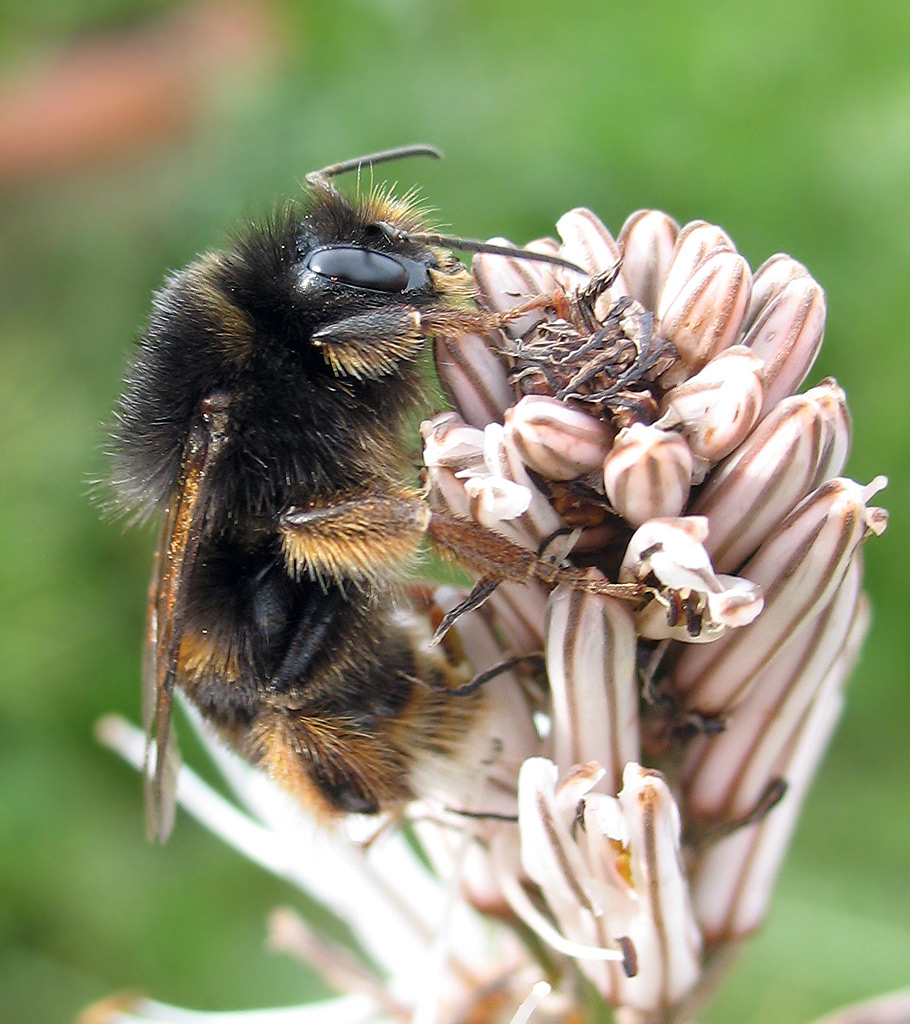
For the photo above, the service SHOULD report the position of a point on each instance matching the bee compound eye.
(360, 268)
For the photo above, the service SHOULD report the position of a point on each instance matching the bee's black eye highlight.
(364, 268)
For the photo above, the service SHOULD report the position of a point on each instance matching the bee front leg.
(372, 344)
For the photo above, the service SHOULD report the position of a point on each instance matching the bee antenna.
(384, 156)
(472, 245)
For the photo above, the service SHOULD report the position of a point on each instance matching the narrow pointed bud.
(591, 667)
(726, 775)
(648, 473)
(732, 880)
(717, 407)
(694, 243)
(473, 377)
(666, 937)
(556, 440)
(805, 439)
(706, 315)
(771, 277)
(799, 567)
(588, 243)
(688, 601)
(647, 241)
(787, 327)
(502, 282)
(833, 403)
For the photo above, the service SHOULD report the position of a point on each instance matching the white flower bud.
(771, 277)
(706, 314)
(694, 243)
(799, 567)
(648, 473)
(787, 328)
(647, 241)
(587, 243)
(450, 443)
(799, 443)
(556, 440)
(719, 405)
(494, 500)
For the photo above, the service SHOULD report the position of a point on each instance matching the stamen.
(529, 1006)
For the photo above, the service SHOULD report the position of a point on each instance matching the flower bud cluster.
(629, 784)
(646, 415)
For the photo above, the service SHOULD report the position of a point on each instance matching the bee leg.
(466, 689)
(492, 556)
(373, 344)
(370, 540)
(482, 589)
(366, 541)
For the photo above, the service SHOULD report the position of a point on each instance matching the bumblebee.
(263, 415)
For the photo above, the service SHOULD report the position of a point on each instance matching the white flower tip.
(876, 518)
(739, 603)
(878, 484)
(579, 780)
(498, 498)
(110, 730)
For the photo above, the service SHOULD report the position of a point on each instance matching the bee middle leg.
(373, 539)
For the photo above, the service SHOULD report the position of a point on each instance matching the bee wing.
(178, 547)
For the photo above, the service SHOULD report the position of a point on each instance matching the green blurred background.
(133, 133)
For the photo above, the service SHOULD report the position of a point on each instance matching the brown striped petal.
(786, 332)
(706, 314)
(799, 568)
(590, 652)
(726, 775)
(804, 440)
(555, 439)
(694, 243)
(648, 473)
(473, 378)
(732, 879)
(717, 407)
(647, 242)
